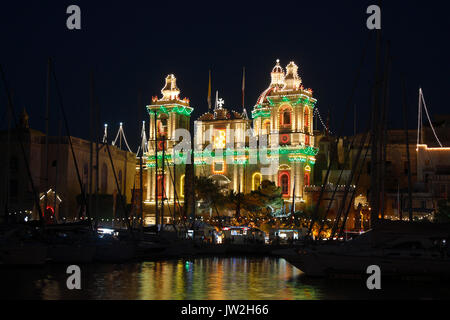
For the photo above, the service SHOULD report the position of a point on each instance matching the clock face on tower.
(162, 143)
(285, 139)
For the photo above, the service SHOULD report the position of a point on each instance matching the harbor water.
(211, 278)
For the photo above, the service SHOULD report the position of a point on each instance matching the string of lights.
(316, 111)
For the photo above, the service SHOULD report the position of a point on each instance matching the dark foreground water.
(237, 278)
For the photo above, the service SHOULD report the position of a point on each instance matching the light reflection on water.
(214, 278)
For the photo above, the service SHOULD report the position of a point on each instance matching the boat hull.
(114, 252)
(324, 264)
(71, 253)
(27, 254)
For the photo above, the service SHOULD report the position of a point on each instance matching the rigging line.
(354, 190)
(347, 155)
(352, 173)
(117, 136)
(144, 145)
(171, 177)
(126, 142)
(349, 181)
(349, 103)
(105, 134)
(419, 117)
(122, 134)
(63, 111)
(174, 186)
(124, 208)
(428, 116)
(316, 110)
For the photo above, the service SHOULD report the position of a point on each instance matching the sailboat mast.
(47, 110)
(405, 121)
(163, 189)
(97, 149)
(156, 170)
(58, 146)
(8, 163)
(141, 197)
(293, 200)
(375, 134)
(174, 188)
(91, 142)
(383, 131)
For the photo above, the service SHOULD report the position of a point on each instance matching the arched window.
(256, 181)
(161, 184)
(182, 180)
(306, 181)
(286, 117)
(104, 185)
(162, 125)
(306, 121)
(284, 183)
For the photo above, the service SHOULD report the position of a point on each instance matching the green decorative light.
(270, 101)
(186, 111)
(308, 151)
(176, 108)
(163, 109)
(261, 113)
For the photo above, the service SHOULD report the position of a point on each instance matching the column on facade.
(292, 180)
(302, 126)
(149, 184)
(276, 122)
(168, 183)
(302, 179)
(241, 177)
(298, 183)
(293, 118)
(235, 178)
(211, 134)
(150, 128)
(173, 123)
(294, 136)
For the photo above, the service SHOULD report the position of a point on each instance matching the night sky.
(131, 46)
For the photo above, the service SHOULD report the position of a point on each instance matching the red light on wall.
(285, 138)
(160, 145)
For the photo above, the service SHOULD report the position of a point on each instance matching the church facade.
(237, 151)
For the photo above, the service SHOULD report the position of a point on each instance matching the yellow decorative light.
(220, 139)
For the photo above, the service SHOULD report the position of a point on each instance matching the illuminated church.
(276, 144)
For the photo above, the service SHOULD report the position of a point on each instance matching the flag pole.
(209, 91)
(243, 89)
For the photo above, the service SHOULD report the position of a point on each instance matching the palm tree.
(235, 201)
(208, 191)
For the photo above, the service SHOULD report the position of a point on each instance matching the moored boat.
(399, 249)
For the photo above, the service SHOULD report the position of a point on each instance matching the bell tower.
(167, 114)
(284, 114)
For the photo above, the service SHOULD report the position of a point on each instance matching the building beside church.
(16, 193)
